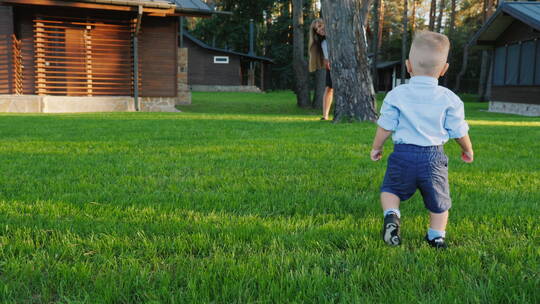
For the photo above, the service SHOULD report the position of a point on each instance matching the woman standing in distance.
(318, 59)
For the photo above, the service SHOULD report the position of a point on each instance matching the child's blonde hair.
(429, 52)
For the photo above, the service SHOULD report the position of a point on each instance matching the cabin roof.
(208, 47)
(180, 5)
(526, 12)
(386, 64)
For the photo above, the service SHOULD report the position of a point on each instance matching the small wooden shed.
(512, 37)
(388, 75)
(215, 69)
(93, 55)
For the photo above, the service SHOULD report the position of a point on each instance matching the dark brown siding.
(6, 50)
(517, 31)
(517, 94)
(203, 71)
(157, 57)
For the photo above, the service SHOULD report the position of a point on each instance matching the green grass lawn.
(244, 198)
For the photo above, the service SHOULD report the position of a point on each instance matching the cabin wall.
(518, 94)
(158, 56)
(203, 70)
(516, 68)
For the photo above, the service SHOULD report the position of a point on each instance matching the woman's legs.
(327, 101)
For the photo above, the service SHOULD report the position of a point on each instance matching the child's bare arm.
(467, 154)
(380, 137)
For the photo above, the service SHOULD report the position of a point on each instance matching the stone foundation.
(64, 104)
(514, 108)
(158, 104)
(69, 104)
(21, 103)
(183, 93)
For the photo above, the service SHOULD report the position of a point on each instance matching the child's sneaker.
(437, 242)
(390, 232)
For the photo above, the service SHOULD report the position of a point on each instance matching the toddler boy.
(421, 116)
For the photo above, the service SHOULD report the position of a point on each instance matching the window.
(221, 59)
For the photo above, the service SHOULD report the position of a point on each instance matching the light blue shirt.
(423, 113)
(324, 46)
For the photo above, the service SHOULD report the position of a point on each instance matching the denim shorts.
(412, 167)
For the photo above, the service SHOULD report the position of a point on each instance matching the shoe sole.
(392, 240)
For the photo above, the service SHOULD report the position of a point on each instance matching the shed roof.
(192, 5)
(206, 46)
(526, 12)
(387, 64)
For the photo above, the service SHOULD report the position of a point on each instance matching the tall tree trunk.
(375, 42)
(381, 25)
(488, 9)
(491, 7)
(320, 87)
(442, 4)
(432, 14)
(486, 60)
(452, 26)
(451, 30)
(353, 88)
(299, 62)
(482, 84)
(365, 11)
(320, 75)
(404, 41)
(463, 67)
(484, 11)
(413, 20)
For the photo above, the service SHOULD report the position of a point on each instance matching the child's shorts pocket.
(439, 170)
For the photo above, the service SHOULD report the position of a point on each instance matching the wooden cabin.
(93, 55)
(512, 37)
(224, 70)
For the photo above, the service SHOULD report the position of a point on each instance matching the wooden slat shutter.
(83, 56)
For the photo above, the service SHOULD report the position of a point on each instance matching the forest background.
(274, 33)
